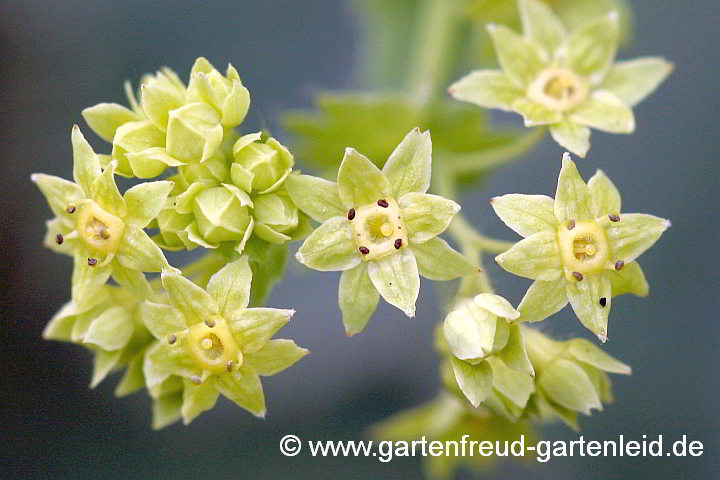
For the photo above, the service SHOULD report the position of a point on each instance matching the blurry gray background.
(59, 57)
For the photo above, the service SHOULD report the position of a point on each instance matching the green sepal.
(105, 118)
(409, 167)
(316, 197)
(436, 260)
(360, 182)
(397, 280)
(426, 215)
(525, 214)
(330, 247)
(358, 298)
(536, 257)
(475, 381)
(275, 356)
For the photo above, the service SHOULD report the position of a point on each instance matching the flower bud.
(261, 166)
(226, 94)
(275, 216)
(222, 214)
(133, 138)
(478, 328)
(194, 132)
(172, 230)
(162, 93)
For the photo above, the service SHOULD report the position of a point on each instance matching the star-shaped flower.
(380, 228)
(568, 81)
(214, 342)
(100, 228)
(578, 247)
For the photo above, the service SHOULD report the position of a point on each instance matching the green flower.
(214, 343)
(447, 419)
(578, 248)
(568, 81)
(379, 228)
(571, 377)
(109, 327)
(172, 125)
(100, 228)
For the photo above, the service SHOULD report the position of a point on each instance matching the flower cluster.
(566, 80)
(226, 194)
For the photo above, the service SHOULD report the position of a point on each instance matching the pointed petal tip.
(668, 224)
(491, 27)
(614, 16)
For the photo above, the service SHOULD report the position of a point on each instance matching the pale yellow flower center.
(558, 89)
(213, 347)
(584, 248)
(378, 229)
(99, 229)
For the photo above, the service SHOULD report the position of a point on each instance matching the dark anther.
(619, 265)
(603, 301)
(383, 203)
(70, 209)
(614, 217)
(210, 323)
(59, 239)
(172, 339)
(578, 276)
(105, 234)
(92, 261)
(196, 380)
(571, 224)
(364, 250)
(229, 366)
(351, 214)
(398, 243)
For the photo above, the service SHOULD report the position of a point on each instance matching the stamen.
(364, 250)
(196, 380)
(351, 214)
(578, 276)
(59, 239)
(386, 229)
(206, 343)
(172, 339)
(619, 265)
(398, 243)
(92, 261)
(383, 203)
(614, 217)
(210, 323)
(70, 209)
(603, 301)
(230, 366)
(571, 224)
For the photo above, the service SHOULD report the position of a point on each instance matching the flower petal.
(194, 302)
(591, 48)
(166, 410)
(436, 260)
(526, 214)
(426, 215)
(275, 356)
(567, 384)
(87, 280)
(633, 80)
(605, 196)
(396, 278)
(254, 327)
(604, 111)
(520, 58)
(161, 320)
(585, 300)
(360, 182)
(139, 252)
(330, 247)
(591, 354)
(633, 234)
(535, 113)
(111, 330)
(541, 24)
(358, 298)
(470, 331)
(103, 364)
(231, 286)
(105, 118)
(573, 200)
(244, 388)
(86, 164)
(145, 201)
(410, 165)
(630, 279)
(542, 300)
(496, 305)
(514, 355)
(486, 88)
(475, 381)
(105, 192)
(571, 135)
(536, 257)
(59, 194)
(197, 399)
(316, 197)
(163, 360)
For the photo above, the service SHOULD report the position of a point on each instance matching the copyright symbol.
(290, 445)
